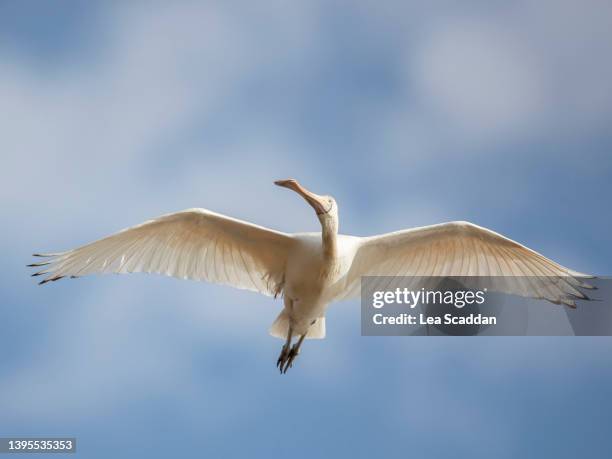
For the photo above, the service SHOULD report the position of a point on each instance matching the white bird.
(310, 270)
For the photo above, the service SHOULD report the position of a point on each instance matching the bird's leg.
(293, 353)
(282, 358)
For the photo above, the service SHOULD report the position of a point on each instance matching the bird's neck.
(329, 235)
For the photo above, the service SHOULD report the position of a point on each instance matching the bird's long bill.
(316, 201)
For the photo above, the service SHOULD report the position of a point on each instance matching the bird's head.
(324, 206)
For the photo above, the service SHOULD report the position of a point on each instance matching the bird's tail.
(280, 327)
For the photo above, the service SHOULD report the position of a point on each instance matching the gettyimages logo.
(411, 298)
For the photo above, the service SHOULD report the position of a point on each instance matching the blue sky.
(408, 113)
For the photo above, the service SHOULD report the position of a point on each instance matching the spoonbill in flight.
(309, 270)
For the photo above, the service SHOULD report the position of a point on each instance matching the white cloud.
(477, 77)
(478, 80)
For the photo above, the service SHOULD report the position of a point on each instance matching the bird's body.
(312, 270)
(313, 280)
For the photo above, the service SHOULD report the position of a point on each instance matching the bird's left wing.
(192, 244)
(462, 249)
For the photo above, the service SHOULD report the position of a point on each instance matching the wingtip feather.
(36, 265)
(47, 255)
(51, 279)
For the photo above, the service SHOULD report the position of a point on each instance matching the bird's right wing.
(192, 244)
(462, 249)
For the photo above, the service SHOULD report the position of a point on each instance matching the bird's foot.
(293, 353)
(282, 358)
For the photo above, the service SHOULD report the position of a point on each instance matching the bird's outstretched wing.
(191, 244)
(464, 250)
